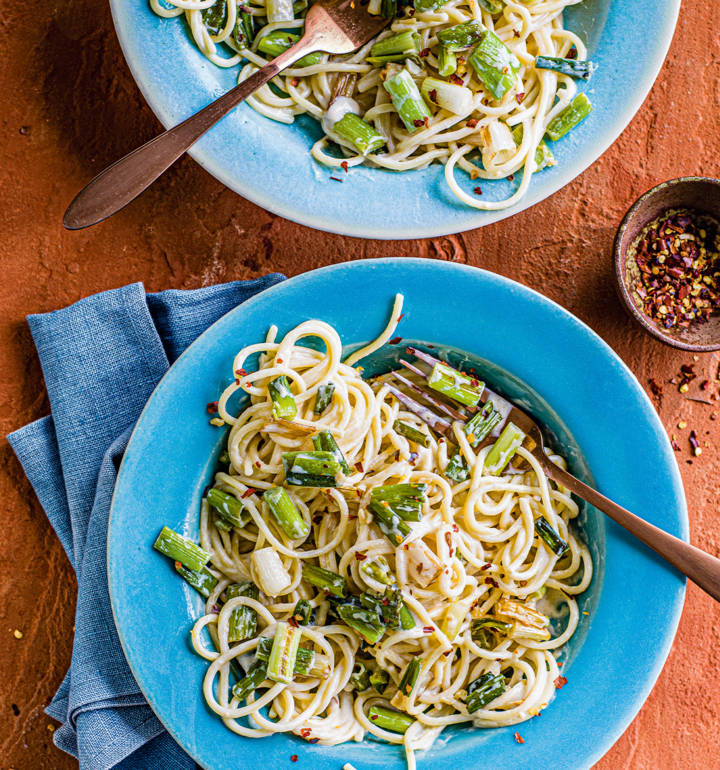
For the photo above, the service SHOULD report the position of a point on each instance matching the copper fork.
(332, 26)
(438, 413)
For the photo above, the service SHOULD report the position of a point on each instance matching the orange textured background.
(70, 107)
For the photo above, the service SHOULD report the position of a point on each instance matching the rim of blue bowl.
(633, 704)
(474, 219)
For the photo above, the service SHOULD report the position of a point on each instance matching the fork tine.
(446, 408)
(437, 423)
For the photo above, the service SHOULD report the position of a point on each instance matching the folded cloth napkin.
(101, 359)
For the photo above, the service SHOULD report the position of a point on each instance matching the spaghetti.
(392, 598)
(488, 130)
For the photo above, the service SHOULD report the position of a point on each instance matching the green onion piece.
(460, 36)
(224, 458)
(325, 442)
(244, 32)
(481, 424)
(578, 109)
(220, 523)
(311, 469)
(389, 523)
(447, 61)
(215, 17)
(410, 676)
(406, 619)
(281, 663)
(360, 134)
(379, 680)
(388, 9)
(491, 6)
(181, 549)
(495, 64)
(279, 10)
(304, 660)
(457, 468)
(409, 431)
(454, 98)
(243, 620)
(203, 581)
(503, 449)
(324, 395)
(360, 677)
(428, 5)
(387, 609)
(456, 385)
(404, 500)
(363, 620)
(303, 612)
(286, 514)
(407, 100)
(325, 579)
(552, 539)
(483, 631)
(228, 507)
(576, 68)
(255, 676)
(378, 570)
(543, 153)
(283, 401)
(483, 690)
(277, 42)
(389, 719)
(395, 48)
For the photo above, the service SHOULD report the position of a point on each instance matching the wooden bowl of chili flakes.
(667, 262)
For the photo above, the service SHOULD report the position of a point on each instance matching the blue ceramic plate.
(270, 164)
(598, 415)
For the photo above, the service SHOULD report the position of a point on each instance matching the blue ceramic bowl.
(594, 410)
(270, 164)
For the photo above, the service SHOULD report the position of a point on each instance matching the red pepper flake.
(560, 682)
(400, 317)
(477, 190)
(258, 464)
(241, 373)
(432, 93)
(519, 97)
(385, 602)
(418, 123)
(313, 740)
(360, 556)
(249, 491)
(294, 82)
(572, 54)
(491, 582)
(427, 122)
(373, 717)
(395, 341)
(305, 732)
(428, 629)
(212, 407)
(485, 566)
(510, 177)
(294, 758)
(472, 123)
(518, 738)
(335, 179)
(359, 466)
(344, 166)
(293, 621)
(455, 528)
(425, 52)
(446, 653)
(457, 80)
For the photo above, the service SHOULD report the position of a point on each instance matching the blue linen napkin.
(101, 359)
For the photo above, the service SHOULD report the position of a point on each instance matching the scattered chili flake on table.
(560, 682)
(477, 190)
(519, 738)
(294, 758)
(395, 341)
(344, 166)
(674, 267)
(212, 407)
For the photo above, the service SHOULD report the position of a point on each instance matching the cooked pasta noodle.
(489, 136)
(473, 554)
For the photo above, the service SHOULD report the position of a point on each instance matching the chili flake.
(294, 758)
(344, 166)
(560, 682)
(249, 491)
(457, 80)
(428, 629)
(360, 556)
(518, 738)
(212, 407)
(674, 268)
(395, 341)
(477, 190)
(418, 123)
(472, 123)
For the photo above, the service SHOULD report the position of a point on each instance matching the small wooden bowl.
(701, 194)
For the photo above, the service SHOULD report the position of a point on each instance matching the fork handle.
(125, 179)
(702, 568)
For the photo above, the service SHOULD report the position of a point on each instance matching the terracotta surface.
(70, 107)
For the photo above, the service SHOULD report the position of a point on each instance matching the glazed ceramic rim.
(468, 220)
(620, 258)
(664, 622)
